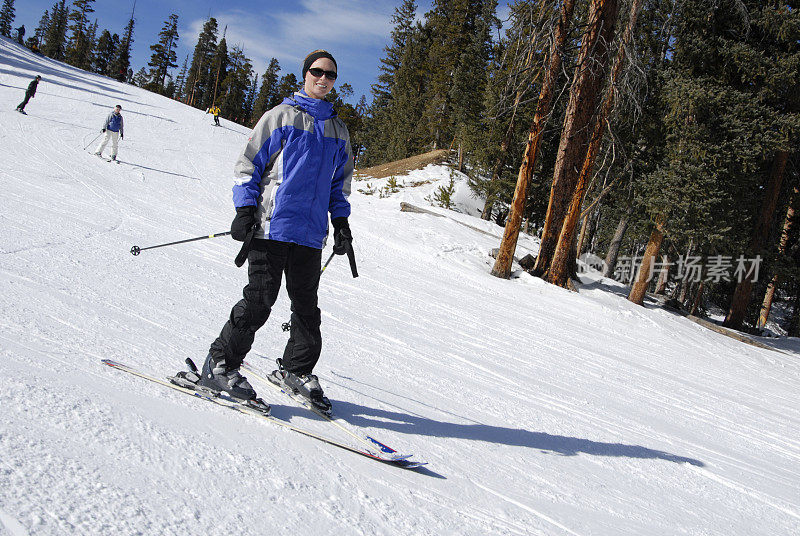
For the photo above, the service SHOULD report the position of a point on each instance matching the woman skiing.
(113, 130)
(294, 171)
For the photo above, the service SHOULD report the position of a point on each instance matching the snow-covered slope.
(540, 411)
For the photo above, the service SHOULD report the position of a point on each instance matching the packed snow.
(539, 411)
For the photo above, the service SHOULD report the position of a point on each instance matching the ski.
(367, 440)
(106, 159)
(241, 407)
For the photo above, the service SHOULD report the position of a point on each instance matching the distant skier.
(295, 169)
(114, 129)
(20, 34)
(29, 93)
(214, 110)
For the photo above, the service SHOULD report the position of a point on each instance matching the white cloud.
(345, 22)
(340, 26)
(354, 31)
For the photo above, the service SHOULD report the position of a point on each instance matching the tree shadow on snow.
(129, 111)
(73, 125)
(161, 171)
(51, 76)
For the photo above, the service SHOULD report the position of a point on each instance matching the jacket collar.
(320, 109)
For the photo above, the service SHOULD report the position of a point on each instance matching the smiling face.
(317, 88)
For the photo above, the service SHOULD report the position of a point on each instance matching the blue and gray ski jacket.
(296, 168)
(114, 123)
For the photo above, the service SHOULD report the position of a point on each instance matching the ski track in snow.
(540, 411)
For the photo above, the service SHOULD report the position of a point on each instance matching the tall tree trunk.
(502, 265)
(616, 243)
(697, 298)
(766, 305)
(558, 272)
(639, 288)
(663, 276)
(582, 236)
(586, 88)
(741, 296)
(683, 286)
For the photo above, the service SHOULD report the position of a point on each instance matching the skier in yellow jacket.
(215, 111)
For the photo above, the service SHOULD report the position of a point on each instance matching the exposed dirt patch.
(402, 167)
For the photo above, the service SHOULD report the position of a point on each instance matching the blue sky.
(354, 31)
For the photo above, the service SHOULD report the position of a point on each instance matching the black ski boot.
(306, 387)
(217, 377)
(216, 383)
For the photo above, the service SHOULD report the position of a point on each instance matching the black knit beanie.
(314, 56)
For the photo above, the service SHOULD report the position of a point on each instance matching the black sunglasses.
(317, 73)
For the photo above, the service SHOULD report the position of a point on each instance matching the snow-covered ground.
(540, 411)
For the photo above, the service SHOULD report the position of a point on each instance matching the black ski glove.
(102, 130)
(244, 221)
(342, 237)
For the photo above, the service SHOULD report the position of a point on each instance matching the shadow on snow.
(397, 421)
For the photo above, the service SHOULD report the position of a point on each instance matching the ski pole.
(135, 250)
(286, 326)
(351, 256)
(327, 263)
(94, 140)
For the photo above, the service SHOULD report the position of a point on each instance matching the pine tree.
(180, 81)
(92, 40)
(105, 52)
(394, 128)
(79, 49)
(349, 114)
(121, 65)
(233, 94)
(726, 116)
(269, 85)
(403, 20)
(7, 17)
(216, 74)
(452, 25)
(407, 132)
(385, 139)
(468, 89)
(287, 85)
(141, 78)
(41, 30)
(249, 101)
(774, 42)
(55, 39)
(164, 55)
(202, 57)
(358, 138)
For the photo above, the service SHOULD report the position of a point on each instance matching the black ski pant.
(24, 103)
(216, 120)
(267, 261)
